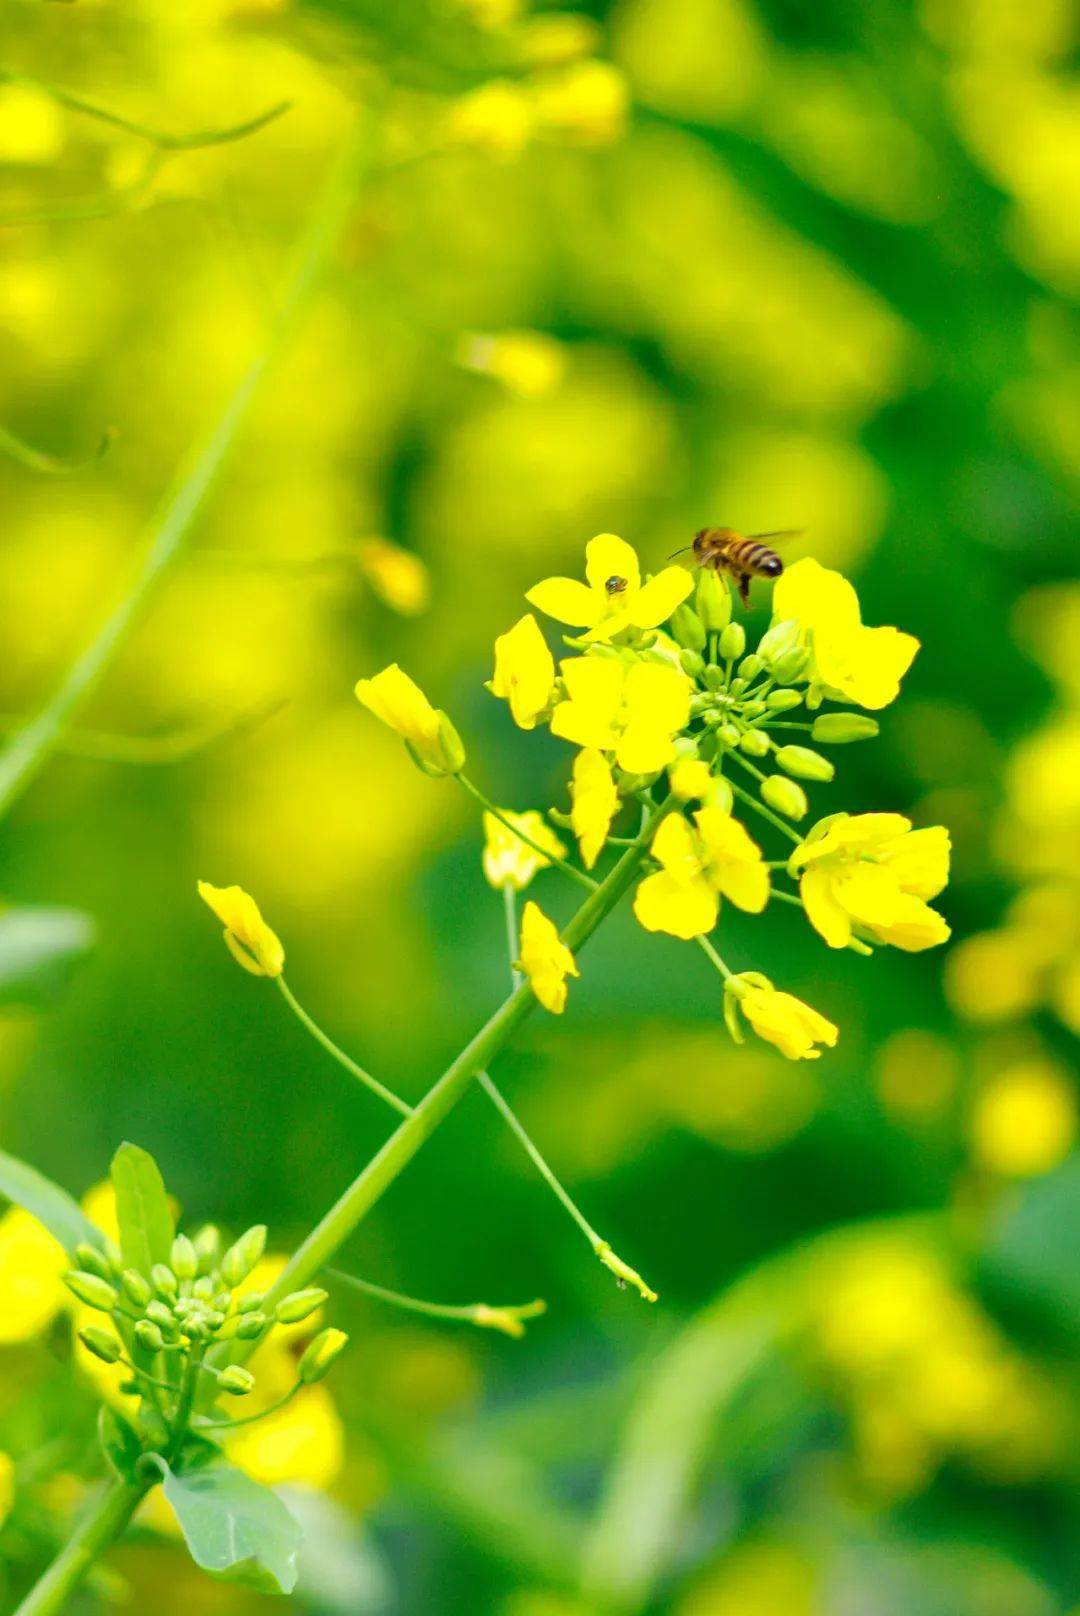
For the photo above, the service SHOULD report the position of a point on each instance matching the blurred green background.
(823, 279)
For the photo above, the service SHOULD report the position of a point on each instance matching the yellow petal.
(545, 959)
(822, 910)
(400, 703)
(567, 601)
(32, 1264)
(658, 695)
(675, 847)
(783, 1020)
(816, 597)
(913, 926)
(595, 682)
(573, 721)
(734, 862)
(919, 860)
(250, 940)
(868, 893)
(643, 748)
(683, 909)
(510, 862)
(594, 802)
(659, 597)
(608, 557)
(524, 671)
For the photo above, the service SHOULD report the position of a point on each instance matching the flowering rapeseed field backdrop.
(393, 352)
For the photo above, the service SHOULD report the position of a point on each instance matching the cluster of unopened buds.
(176, 1328)
(677, 719)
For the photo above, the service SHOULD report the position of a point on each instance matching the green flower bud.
(692, 663)
(184, 1258)
(732, 642)
(754, 708)
(729, 734)
(814, 697)
(720, 795)
(451, 746)
(714, 677)
(737, 686)
(327, 1346)
(100, 1343)
(785, 796)
(162, 1316)
(242, 1256)
(836, 729)
(151, 1426)
(792, 665)
(136, 1287)
(207, 1245)
(299, 1305)
(804, 763)
(688, 628)
(91, 1260)
(163, 1280)
(782, 701)
(250, 1326)
(222, 1301)
(91, 1289)
(778, 640)
(713, 601)
(236, 1380)
(203, 1288)
(754, 743)
(251, 1302)
(149, 1336)
(750, 666)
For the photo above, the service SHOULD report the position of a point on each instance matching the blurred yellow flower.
(585, 102)
(32, 1264)
(7, 1485)
(855, 663)
(401, 705)
(397, 576)
(249, 939)
(510, 862)
(491, 14)
(31, 125)
(528, 363)
(554, 38)
(613, 598)
(594, 803)
(545, 959)
(1025, 1120)
(993, 976)
(635, 711)
(524, 671)
(495, 119)
(872, 872)
(781, 1019)
(698, 865)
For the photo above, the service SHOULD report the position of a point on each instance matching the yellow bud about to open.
(804, 763)
(321, 1354)
(785, 796)
(837, 729)
(248, 938)
(91, 1289)
(713, 600)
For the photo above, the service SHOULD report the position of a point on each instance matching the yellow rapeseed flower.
(691, 779)
(496, 119)
(528, 363)
(401, 705)
(31, 125)
(397, 576)
(613, 597)
(545, 959)
(1025, 1120)
(585, 102)
(510, 862)
(872, 873)
(697, 866)
(524, 672)
(781, 1019)
(32, 1265)
(594, 803)
(554, 38)
(634, 711)
(248, 938)
(854, 663)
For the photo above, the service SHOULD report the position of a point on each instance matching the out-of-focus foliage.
(824, 280)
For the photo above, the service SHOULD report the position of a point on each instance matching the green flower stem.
(785, 724)
(338, 1053)
(511, 1120)
(510, 910)
(102, 1524)
(28, 749)
(384, 1168)
(766, 813)
(39, 460)
(708, 949)
(185, 1405)
(250, 1419)
(177, 746)
(785, 897)
(579, 876)
(157, 137)
(466, 1313)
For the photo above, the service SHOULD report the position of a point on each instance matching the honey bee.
(741, 555)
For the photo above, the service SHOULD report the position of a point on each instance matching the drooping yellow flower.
(858, 664)
(614, 597)
(248, 938)
(873, 873)
(397, 576)
(528, 363)
(585, 102)
(32, 1265)
(634, 711)
(594, 803)
(545, 959)
(401, 705)
(510, 862)
(698, 865)
(524, 671)
(782, 1019)
(496, 119)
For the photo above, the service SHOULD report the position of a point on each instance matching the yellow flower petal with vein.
(524, 671)
(594, 803)
(607, 556)
(399, 703)
(567, 601)
(545, 958)
(734, 861)
(862, 665)
(681, 908)
(250, 940)
(781, 1019)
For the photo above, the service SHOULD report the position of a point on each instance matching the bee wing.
(781, 536)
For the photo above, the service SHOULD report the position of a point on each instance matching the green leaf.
(235, 1529)
(142, 1209)
(38, 950)
(46, 1201)
(119, 1443)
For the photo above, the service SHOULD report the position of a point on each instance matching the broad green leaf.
(142, 1209)
(119, 1443)
(234, 1528)
(38, 950)
(46, 1201)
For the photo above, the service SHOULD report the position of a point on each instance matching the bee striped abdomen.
(750, 555)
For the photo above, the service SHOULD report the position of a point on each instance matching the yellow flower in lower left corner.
(249, 939)
(545, 959)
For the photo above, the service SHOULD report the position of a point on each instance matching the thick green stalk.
(31, 745)
(343, 1217)
(102, 1524)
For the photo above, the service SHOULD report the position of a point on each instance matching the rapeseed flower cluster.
(675, 720)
